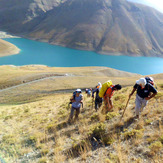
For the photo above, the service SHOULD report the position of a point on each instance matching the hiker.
(145, 91)
(76, 100)
(108, 94)
(88, 91)
(98, 100)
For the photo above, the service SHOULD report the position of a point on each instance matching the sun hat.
(99, 84)
(78, 90)
(141, 81)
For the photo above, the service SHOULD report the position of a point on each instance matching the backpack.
(74, 94)
(104, 88)
(149, 80)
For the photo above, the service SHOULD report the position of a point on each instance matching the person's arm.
(133, 90)
(72, 99)
(81, 101)
(153, 95)
(110, 104)
(93, 92)
(153, 90)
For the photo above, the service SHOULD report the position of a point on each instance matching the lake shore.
(7, 49)
(35, 52)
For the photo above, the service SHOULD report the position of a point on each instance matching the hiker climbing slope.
(88, 92)
(98, 100)
(76, 104)
(106, 92)
(145, 91)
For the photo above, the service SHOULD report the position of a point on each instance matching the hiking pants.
(98, 103)
(72, 112)
(140, 104)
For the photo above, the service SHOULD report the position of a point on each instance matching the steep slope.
(38, 131)
(14, 14)
(105, 26)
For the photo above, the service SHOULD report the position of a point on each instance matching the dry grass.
(35, 129)
(78, 77)
(7, 48)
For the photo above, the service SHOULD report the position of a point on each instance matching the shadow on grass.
(62, 125)
(120, 127)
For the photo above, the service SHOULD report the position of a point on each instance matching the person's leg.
(77, 113)
(144, 104)
(71, 114)
(99, 102)
(105, 105)
(96, 105)
(137, 106)
(99, 105)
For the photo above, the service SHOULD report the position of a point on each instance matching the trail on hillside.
(32, 81)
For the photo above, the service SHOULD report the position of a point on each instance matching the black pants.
(98, 103)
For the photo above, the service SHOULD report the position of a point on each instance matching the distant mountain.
(105, 26)
(154, 4)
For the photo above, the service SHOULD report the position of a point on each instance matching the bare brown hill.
(105, 26)
(7, 48)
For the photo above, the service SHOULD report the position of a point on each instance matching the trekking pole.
(125, 108)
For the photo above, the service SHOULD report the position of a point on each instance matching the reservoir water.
(34, 52)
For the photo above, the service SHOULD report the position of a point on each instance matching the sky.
(157, 4)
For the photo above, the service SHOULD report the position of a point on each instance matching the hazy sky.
(158, 4)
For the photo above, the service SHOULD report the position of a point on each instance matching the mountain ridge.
(107, 27)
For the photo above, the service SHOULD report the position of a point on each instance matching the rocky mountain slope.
(105, 26)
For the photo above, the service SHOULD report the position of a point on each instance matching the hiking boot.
(76, 118)
(69, 121)
(136, 118)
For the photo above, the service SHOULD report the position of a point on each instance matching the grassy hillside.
(12, 75)
(35, 129)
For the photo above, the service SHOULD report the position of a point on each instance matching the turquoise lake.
(34, 52)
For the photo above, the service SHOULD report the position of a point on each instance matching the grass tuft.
(133, 134)
(111, 115)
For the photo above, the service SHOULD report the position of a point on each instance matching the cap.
(78, 90)
(99, 83)
(141, 81)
